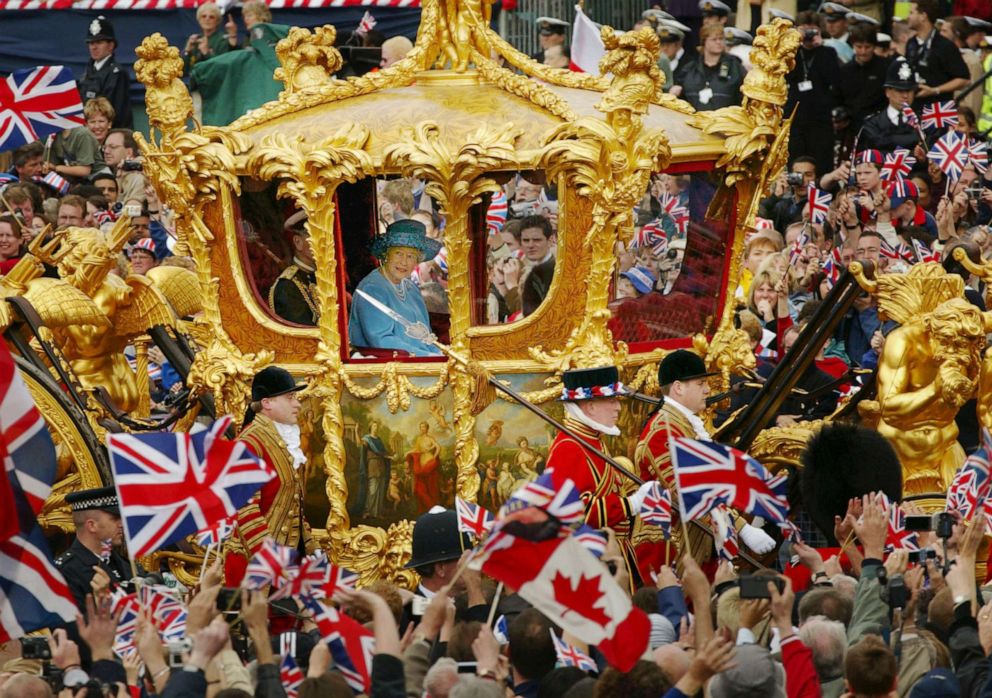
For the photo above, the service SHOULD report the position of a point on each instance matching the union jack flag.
(831, 272)
(472, 518)
(167, 613)
(897, 536)
(172, 485)
(924, 253)
(910, 116)
(799, 246)
(708, 474)
(102, 216)
(649, 235)
(657, 508)
(971, 483)
(591, 539)
(676, 211)
(819, 204)
(351, 645)
(33, 593)
(367, 24)
(125, 607)
(216, 534)
(564, 504)
(36, 102)
(57, 182)
(888, 251)
(339, 578)
(978, 154)
(497, 211)
(106, 547)
(269, 566)
(950, 154)
(898, 164)
(939, 115)
(289, 674)
(572, 656)
(500, 631)
(725, 535)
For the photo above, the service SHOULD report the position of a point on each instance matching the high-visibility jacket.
(985, 118)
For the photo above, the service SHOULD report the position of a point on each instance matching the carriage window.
(669, 271)
(521, 228)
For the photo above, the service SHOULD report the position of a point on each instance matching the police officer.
(104, 76)
(887, 129)
(92, 563)
(293, 296)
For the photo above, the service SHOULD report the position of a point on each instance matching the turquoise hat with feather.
(406, 233)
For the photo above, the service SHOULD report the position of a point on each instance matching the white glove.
(756, 539)
(637, 499)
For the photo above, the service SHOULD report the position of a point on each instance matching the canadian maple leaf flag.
(587, 47)
(568, 584)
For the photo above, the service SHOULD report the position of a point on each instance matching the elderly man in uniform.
(551, 32)
(293, 296)
(591, 398)
(273, 433)
(683, 377)
(91, 564)
(104, 76)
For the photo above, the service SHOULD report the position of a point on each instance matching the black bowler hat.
(436, 538)
(588, 383)
(273, 381)
(900, 76)
(682, 365)
(103, 498)
(100, 29)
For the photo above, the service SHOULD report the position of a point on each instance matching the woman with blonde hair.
(210, 42)
(768, 298)
(99, 115)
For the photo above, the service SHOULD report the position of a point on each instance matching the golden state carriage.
(464, 113)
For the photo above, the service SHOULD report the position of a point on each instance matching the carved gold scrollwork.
(309, 173)
(457, 181)
(188, 170)
(308, 59)
(397, 387)
(608, 163)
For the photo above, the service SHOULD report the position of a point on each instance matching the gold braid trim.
(398, 388)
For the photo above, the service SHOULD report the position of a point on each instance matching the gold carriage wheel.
(82, 461)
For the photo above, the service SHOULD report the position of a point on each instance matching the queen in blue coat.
(403, 246)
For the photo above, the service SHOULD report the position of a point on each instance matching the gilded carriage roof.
(462, 103)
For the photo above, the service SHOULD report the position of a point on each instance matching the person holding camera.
(119, 152)
(210, 43)
(811, 92)
(788, 197)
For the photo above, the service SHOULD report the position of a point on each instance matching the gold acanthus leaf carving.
(308, 59)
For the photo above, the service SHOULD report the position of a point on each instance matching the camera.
(131, 166)
(132, 210)
(229, 600)
(974, 193)
(756, 586)
(35, 648)
(810, 34)
(895, 593)
(794, 179)
(940, 523)
(176, 649)
(919, 557)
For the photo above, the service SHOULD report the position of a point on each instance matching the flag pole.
(678, 490)
(206, 556)
(495, 604)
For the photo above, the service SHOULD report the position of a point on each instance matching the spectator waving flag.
(831, 271)
(36, 102)
(939, 115)
(950, 154)
(897, 165)
(819, 204)
(472, 518)
(269, 566)
(560, 578)
(909, 116)
(289, 674)
(171, 486)
(571, 656)
(351, 645)
(33, 593)
(709, 474)
(978, 154)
